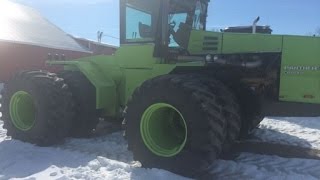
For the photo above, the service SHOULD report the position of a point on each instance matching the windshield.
(191, 12)
(199, 16)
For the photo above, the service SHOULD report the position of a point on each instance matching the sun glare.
(10, 14)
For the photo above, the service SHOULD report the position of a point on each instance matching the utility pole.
(99, 35)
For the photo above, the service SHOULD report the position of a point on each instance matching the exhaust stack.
(254, 26)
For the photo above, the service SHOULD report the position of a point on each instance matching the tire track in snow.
(252, 166)
(278, 164)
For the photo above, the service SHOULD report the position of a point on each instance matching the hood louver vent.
(210, 43)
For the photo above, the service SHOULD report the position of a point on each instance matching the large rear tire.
(179, 123)
(37, 108)
(84, 96)
(231, 109)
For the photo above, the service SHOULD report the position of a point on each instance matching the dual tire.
(181, 123)
(37, 107)
(42, 108)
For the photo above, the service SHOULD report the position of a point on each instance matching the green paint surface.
(116, 77)
(300, 69)
(251, 43)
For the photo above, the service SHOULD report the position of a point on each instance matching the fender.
(107, 81)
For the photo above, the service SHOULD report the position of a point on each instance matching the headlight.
(209, 58)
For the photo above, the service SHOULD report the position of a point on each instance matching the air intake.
(210, 43)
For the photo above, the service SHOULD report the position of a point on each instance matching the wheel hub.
(163, 130)
(22, 110)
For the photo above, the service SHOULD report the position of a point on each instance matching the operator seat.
(182, 35)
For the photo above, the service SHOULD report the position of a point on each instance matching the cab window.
(139, 25)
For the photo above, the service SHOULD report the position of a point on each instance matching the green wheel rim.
(163, 130)
(22, 110)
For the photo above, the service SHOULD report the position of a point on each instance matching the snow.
(107, 157)
(98, 158)
(251, 166)
(303, 132)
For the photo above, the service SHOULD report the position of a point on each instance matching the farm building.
(97, 48)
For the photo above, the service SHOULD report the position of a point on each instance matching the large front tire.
(178, 123)
(37, 108)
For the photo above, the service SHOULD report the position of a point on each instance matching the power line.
(110, 36)
(101, 34)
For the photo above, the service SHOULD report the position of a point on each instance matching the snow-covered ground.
(107, 157)
(303, 132)
(97, 158)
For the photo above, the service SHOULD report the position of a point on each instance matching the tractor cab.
(165, 23)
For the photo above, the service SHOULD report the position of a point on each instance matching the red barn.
(26, 39)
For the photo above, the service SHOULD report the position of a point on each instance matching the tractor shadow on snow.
(270, 148)
(283, 145)
(280, 144)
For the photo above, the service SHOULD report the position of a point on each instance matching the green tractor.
(185, 94)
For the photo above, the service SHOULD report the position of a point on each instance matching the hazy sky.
(85, 17)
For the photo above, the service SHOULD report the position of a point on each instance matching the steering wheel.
(172, 25)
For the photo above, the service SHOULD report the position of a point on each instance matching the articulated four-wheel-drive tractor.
(184, 94)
